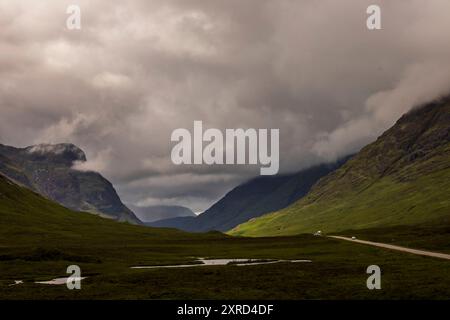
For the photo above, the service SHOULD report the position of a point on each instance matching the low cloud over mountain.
(138, 70)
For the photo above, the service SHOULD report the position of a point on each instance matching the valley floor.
(337, 270)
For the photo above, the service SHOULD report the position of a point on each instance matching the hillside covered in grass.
(28, 219)
(403, 178)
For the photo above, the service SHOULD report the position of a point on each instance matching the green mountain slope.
(403, 178)
(47, 169)
(29, 220)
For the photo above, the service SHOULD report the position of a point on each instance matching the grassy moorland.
(337, 271)
(39, 239)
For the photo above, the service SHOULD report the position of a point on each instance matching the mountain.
(154, 213)
(403, 178)
(182, 223)
(252, 199)
(47, 169)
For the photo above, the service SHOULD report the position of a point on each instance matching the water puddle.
(201, 262)
(16, 282)
(222, 262)
(59, 281)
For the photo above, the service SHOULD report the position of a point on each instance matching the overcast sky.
(139, 69)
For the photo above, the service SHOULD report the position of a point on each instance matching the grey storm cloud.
(139, 69)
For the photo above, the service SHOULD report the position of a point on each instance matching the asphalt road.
(397, 248)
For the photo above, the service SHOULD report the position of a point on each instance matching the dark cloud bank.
(139, 69)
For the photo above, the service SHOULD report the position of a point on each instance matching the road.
(397, 248)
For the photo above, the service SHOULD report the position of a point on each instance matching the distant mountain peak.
(154, 213)
(252, 199)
